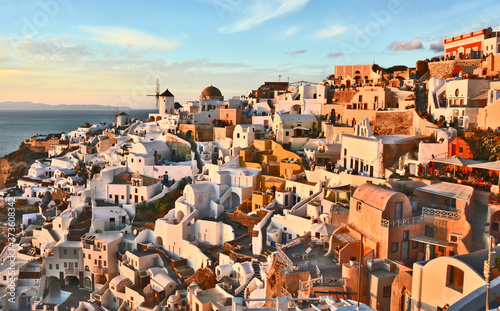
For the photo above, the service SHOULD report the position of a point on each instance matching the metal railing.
(441, 213)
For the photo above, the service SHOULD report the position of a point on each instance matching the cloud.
(335, 54)
(297, 52)
(402, 45)
(55, 50)
(290, 32)
(437, 47)
(330, 32)
(126, 37)
(261, 11)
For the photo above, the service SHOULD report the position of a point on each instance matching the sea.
(19, 125)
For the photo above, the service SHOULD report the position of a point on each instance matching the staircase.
(256, 269)
(96, 305)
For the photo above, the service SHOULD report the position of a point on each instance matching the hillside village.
(377, 185)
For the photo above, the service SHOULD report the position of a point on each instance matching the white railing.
(441, 213)
(401, 222)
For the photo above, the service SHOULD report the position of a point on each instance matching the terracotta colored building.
(460, 148)
(267, 89)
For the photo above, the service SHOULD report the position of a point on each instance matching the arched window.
(358, 206)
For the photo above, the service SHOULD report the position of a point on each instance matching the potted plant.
(352, 260)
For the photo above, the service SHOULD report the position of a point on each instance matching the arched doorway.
(235, 200)
(53, 288)
(189, 134)
(159, 241)
(87, 283)
(158, 118)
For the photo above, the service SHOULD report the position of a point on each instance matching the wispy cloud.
(329, 32)
(261, 11)
(297, 52)
(334, 54)
(53, 49)
(402, 45)
(126, 37)
(437, 46)
(290, 32)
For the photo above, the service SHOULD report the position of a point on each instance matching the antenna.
(157, 92)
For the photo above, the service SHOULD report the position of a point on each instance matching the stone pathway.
(479, 220)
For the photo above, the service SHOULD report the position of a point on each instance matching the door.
(371, 170)
(406, 302)
(283, 238)
(136, 198)
(116, 198)
(399, 211)
(286, 200)
(112, 225)
(405, 251)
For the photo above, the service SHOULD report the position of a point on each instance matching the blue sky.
(112, 52)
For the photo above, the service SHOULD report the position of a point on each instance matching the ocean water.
(16, 126)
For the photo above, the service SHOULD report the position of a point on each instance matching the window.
(110, 196)
(104, 247)
(238, 135)
(455, 278)
(5, 278)
(89, 257)
(456, 92)
(358, 206)
(76, 264)
(429, 231)
(395, 247)
(461, 149)
(123, 197)
(74, 252)
(462, 101)
(287, 133)
(65, 265)
(406, 235)
(105, 263)
(345, 151)
(387, 291)
(50, 266)
(376, 99)
(360, 98)
(65, 251)
(414, 244)
(57, 266)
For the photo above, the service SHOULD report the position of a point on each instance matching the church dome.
(211, 92)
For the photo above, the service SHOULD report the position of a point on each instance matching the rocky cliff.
(16, 164)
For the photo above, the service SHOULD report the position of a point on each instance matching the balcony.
(452, 215)
(70, 271)
(99, 270)
(402, 222)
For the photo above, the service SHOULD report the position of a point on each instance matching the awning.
(449, 190)
(493, 166)
(301, 128)
(455, 160)
(429, 240)
(345, 238)
(323, 228)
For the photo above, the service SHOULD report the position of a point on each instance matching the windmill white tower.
(165, 101)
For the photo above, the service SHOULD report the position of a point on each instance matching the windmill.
(157, 92)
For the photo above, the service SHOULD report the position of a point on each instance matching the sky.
(112, 52)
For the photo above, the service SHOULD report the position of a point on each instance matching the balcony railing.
(441, 213)
(100, 270)
(401, 222)
(69, 271)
